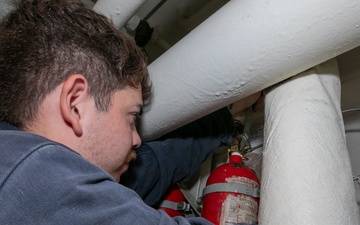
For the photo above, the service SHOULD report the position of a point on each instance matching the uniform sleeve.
(177, 155)
(56, 186)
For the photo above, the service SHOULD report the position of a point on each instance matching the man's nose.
(136, 140)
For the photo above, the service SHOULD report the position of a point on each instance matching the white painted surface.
(5, 8)
(306, 176)
(245, 47)
(119, 11)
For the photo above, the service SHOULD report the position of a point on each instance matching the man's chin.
(124, 167)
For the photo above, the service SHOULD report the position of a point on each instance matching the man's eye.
(136, 118)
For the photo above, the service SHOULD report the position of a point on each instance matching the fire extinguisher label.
(239, 210)
(242, 180)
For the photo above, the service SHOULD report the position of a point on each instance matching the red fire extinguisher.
(231, 195)
(174, 203)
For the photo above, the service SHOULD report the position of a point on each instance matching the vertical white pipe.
(244, 47)
(306, 176)
(119, 11)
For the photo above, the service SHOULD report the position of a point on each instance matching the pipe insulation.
(119, 11)
(306, 171)
(242, 48)
(5, 8)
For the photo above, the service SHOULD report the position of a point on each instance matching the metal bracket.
(179, 206)
(233, 188)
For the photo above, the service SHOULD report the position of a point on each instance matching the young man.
(71, 90)
(178, 155)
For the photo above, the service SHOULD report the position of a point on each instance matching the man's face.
(110, 136)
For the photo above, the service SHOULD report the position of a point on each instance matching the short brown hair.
(43, 42)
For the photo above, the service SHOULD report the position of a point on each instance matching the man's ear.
(74, 94)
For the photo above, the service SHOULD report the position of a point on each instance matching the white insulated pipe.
(306, 171)
(5, 8)
(244, 47)
(119, 11)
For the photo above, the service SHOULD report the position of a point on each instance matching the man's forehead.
(132, 96)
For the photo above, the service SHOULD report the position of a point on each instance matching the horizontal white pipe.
(119, 11)
(244, 47)
(306, 171)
